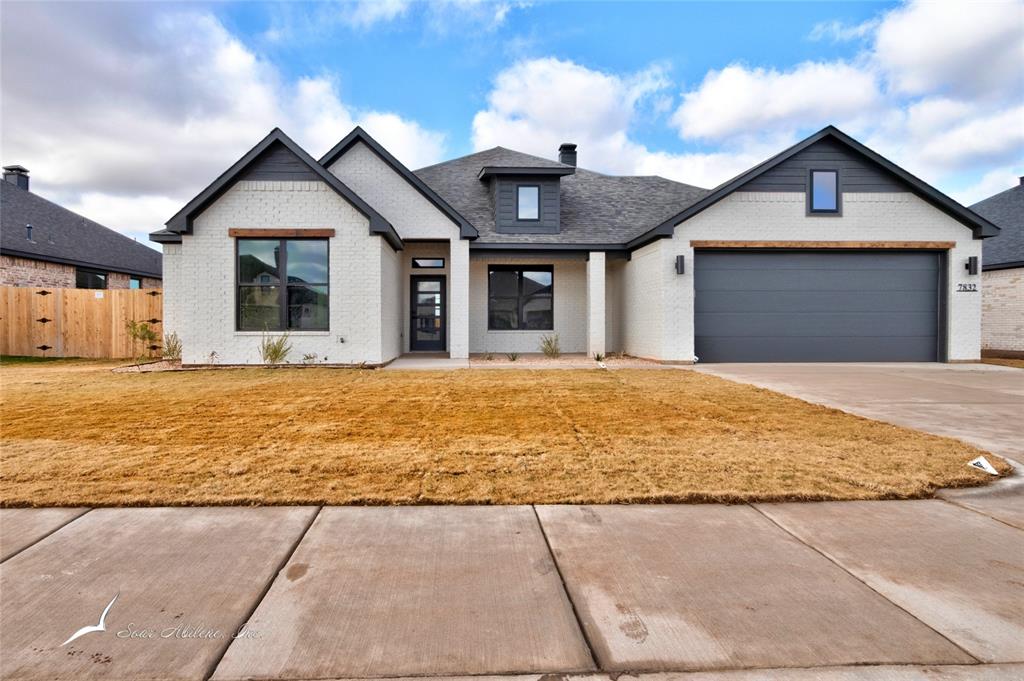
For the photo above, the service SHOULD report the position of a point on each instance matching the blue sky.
(123, 111)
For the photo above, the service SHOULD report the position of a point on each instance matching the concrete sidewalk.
(841, 591)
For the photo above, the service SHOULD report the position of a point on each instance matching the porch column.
(458, 312)
(595, 303)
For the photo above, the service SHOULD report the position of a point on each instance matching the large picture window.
(520, 298)
(282, 285)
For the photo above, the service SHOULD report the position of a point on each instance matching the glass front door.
(426, 301)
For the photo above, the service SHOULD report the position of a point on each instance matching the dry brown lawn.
(74, 433)
(1006, 362)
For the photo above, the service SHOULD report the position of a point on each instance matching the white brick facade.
(596, 301)
(570, 307)
(1002, 313)
(756, 216)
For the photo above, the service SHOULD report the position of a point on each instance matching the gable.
(856, 173)
(278, 164)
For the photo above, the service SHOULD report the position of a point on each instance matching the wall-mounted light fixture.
(972, 265)
(680, 264)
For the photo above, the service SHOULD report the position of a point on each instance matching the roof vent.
(16, 175)
(567, 154)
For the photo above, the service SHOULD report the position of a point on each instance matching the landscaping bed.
(81, 434)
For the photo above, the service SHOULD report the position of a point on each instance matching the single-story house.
(43, 244)
(1002, 275)
(824, 252)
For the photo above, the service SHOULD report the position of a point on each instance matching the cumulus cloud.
(137, 125)
(839, 32)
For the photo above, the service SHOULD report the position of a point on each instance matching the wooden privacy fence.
(68, 322)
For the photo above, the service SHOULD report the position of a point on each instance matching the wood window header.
(281, 233)
(900, 245)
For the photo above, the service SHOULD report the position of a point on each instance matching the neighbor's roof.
(595, 208)
(1006, 211)
(59, 235)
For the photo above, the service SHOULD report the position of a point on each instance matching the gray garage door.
(815, 306)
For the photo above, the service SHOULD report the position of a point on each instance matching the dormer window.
(528, 202)
(824, 196)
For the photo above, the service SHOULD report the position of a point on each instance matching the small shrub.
(512, 356)
(310, 358)
(212, 357)
(275, 349)
(550, 347)
(141, 332)
(488, 356)
(598, 357)
(172, 346)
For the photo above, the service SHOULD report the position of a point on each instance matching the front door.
(426, 301)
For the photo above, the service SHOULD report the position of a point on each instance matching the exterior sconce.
(972, 265)
(680, 264)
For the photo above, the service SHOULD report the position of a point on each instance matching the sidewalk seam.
(839, 565)
(212, 669)
(48, 534)
(565, 590)
(952, 502)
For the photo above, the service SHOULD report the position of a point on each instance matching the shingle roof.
(60, 235)
(1006, 210)
(595, 208)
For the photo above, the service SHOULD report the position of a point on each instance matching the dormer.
(526, 197)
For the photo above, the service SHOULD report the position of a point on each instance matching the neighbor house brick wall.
(120, 280)
(781, 216)
(35, 273)
(570, 306)
(200, 295)
(390, 194)
(1002, 312)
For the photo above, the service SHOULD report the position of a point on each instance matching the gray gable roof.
(59, 235)
(596, 209)
(1006, 211)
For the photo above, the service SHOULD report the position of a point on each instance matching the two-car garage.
(818, 305)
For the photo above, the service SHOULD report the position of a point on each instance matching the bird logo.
(101, 626)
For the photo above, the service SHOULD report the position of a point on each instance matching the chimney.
(567, 154)
(1021, 178)
(16, 175)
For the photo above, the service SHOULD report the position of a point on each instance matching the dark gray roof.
(59, 235)
(596, 208)
(1006, 211)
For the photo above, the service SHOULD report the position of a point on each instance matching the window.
(520, 298)
(282, 285)
(528, 202)
(135, 282)
(90, 278)
(824, 191)
(428, 263)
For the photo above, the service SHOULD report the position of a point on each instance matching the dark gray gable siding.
(505, 205)
(856, 173)
(278, 164)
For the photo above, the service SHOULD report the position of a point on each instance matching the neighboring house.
(43, 244)
(825, 252)
(1002, 314)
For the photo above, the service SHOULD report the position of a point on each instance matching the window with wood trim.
(520, 298)
(283, 285)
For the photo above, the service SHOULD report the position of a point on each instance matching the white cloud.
(839, 32)
(366, 13)
(737, 99)
(153, 105)
(992, 182)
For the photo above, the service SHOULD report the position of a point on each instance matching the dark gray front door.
(426, 301)
(817, 306)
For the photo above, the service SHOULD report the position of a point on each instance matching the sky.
(124, 111)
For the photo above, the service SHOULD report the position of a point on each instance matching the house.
(1002, 275)
(43, 244)
(824, 252)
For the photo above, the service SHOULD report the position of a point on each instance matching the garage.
(818, 306)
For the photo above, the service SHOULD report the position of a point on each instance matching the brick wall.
(24, 272)
(1002, 310)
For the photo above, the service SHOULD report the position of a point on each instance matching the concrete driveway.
(846, 591)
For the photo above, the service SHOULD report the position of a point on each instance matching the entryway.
(428, 313)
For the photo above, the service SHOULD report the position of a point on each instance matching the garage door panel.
(781, 306)
(729, 349)
(816, 301)
(821, 279)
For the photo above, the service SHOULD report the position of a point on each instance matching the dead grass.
(78, 434)
(1016, 363)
